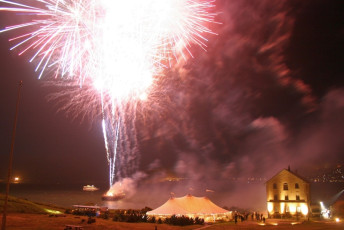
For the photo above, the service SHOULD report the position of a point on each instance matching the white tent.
(191, 206)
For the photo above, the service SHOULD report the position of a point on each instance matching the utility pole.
(3, 227)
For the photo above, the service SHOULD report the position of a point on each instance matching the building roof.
(188, 205)
(292, 173)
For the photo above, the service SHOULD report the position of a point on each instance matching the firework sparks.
(118, 47)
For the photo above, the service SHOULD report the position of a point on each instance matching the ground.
(18, 221)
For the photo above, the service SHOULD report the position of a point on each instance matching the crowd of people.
(248, 216)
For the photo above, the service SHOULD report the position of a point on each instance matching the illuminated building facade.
(287, 195)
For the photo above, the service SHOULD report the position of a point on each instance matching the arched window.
(274, 186)
(297, 185)
(285, 186)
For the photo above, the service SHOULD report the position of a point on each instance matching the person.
(235, 218)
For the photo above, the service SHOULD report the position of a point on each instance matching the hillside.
(17, 205)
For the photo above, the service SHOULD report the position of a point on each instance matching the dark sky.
(268, 93)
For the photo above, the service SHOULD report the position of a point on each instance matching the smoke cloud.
(237, 112)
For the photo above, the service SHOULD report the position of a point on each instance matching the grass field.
(27, 215)
(271, 225)
(40, 222)
(21, 221)
(17, 205)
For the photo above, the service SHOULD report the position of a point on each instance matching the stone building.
(288, 195)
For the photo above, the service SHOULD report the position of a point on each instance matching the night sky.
(268, 93)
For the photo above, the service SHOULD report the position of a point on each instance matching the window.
(274, 186)
(286, 197)
(275, 197)
(297, 185)
(297, 197)
(285, 186)
(276, 208)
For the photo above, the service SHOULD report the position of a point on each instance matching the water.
(147, 194)
(65, 195)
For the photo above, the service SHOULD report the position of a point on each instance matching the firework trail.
(118, 48)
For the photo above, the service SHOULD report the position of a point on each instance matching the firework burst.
(117, 47)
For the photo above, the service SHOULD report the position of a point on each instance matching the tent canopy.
(187, 205)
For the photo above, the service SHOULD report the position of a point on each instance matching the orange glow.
(109, 193)
(270, 207)
(292, 208)
(304, 209)
(282, 207)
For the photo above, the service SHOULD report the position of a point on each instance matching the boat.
(90, 188)
(113, 197)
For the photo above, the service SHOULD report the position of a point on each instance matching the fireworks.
(117, 47)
